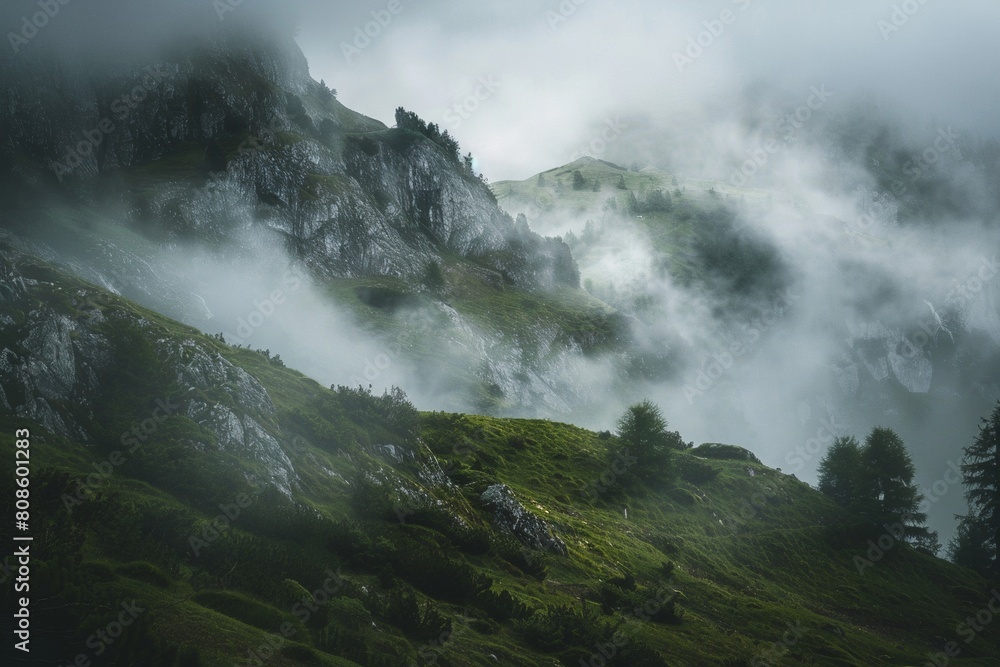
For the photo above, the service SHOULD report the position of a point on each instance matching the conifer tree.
(978, 537)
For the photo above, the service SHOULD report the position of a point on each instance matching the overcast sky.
(558, 73)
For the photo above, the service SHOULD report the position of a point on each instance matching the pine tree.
(632, 205)
(981, 471)
(970, 547)
(657, 200)
(875, 482)
(840, 472)
(643, 434)
(325, 91)
(888, 490)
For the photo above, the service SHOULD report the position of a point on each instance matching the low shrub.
(715, 450)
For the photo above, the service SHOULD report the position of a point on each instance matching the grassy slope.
(743, 573)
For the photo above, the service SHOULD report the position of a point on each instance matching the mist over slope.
(248, 514)
(224, 291)
(836, 276)
(213, 180)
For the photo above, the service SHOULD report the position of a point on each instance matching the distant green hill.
(697, 232)
(243, 512)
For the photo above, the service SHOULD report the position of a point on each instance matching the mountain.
(193, 503)
(211, 268)
(162, 179)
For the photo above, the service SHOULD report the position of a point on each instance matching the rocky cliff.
(233, 133)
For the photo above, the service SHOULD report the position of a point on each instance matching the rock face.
(233, 136)
(511, 516)
(231, 146)
(56, 353)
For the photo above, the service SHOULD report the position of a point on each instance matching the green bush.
(682, 496)
(392, 412)
(714, 450)
(562, 628)
(532, 563)
(349, 613)
(421, 622)
(696, 472)
(471, 539)
(502, 605)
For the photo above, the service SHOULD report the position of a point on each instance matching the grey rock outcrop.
(511, 516)
(54, 365)
(252, 141)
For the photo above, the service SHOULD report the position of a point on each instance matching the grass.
(747, 553)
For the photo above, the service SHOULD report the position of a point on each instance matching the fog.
(922, 70)
(527, 87)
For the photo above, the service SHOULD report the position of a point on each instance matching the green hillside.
(350, 529)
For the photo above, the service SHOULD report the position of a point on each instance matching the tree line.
(874, 481)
